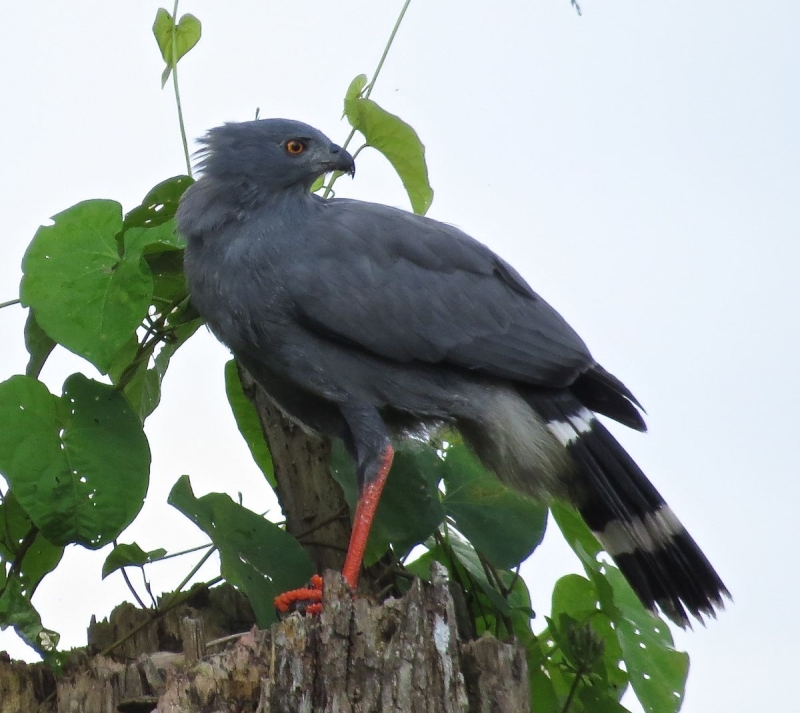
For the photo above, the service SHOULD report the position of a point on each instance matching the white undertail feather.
(515, 443)
(569, 431)
(650, 533)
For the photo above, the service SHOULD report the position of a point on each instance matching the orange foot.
(307, 600)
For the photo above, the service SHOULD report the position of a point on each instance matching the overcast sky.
(639, 165)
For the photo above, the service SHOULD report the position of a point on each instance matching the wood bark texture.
(404, 656)
(312, 501)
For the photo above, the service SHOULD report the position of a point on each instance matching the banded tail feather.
(655, 553)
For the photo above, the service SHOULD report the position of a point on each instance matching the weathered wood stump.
(356, 657)
(404, 656)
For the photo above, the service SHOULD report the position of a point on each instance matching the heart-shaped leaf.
(86, 296)
(78, 465)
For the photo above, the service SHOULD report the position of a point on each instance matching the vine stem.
(370, 87)
(386, 49)
(188, 577)
(177, 91)
(572, 690)
(9, 303)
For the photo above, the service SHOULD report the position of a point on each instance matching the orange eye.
(295, 147)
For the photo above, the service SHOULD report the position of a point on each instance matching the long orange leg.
(311, 597)
(362, 522)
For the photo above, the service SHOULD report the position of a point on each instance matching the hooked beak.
(342, 161)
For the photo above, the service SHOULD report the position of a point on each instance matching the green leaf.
(169, 283)
(519, 599)
(143, 388)
(143, 391)
(353, 93)
(158, 239)
(173, 40)
(17, 610)
(574, 595)
(502, 524)
(574, 529)
(38, 344)
(248, 423)
(577, 597)
(409, 509)
(318, 183)
(396, 140)
(256, 555)
(162, 249)
(543, 694)
(597, 700)
(159, 205)
(467, 556)
(40, 558)
(130, 556)
(86, 297)
(184, 326)
(657, 671)
(78, 465)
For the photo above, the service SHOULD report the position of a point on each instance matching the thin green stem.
(9, 303)
(177, 91)
(370, 87)
(184, 552)
(573, 690)
(386, 49)
(191, 574)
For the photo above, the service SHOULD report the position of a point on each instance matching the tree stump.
(404, 656)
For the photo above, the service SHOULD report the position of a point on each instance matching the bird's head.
(271, 153)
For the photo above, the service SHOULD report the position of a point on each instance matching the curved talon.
(307, 600)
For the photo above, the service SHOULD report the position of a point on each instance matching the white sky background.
(639, 165)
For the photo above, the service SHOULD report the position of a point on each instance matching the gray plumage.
(363, 321)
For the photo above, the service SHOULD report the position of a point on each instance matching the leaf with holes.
(577, 597)
(17, 610)
(159, 205)
(86, 296)
(657, 671)
(78, 465)
(255, 554)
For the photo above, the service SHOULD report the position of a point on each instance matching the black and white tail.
(654, 552)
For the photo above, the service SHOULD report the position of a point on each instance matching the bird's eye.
(295, 147)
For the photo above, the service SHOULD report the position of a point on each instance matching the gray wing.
(409, 288)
